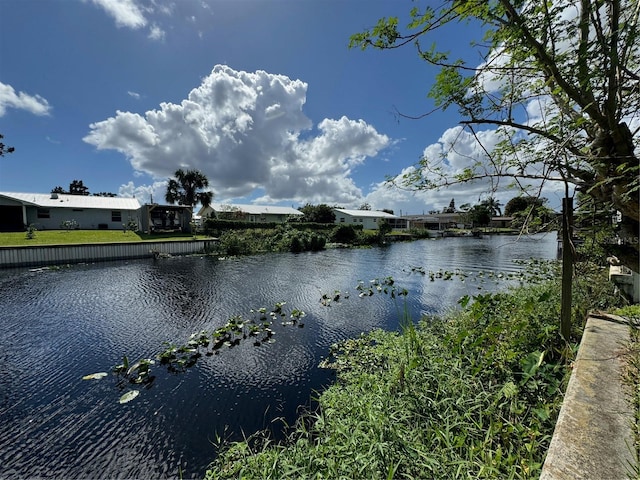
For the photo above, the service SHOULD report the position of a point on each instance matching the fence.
(42, 255)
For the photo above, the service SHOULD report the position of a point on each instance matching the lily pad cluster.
(533, 271)
(178, 358)
(385, 285)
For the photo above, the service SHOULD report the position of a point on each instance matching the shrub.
(344, 234)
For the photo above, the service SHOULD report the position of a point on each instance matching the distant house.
(369, 219)
(249, 213)
(501, 222)
(48, 211)
(437, 221)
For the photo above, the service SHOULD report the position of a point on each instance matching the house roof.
(365, 213)
(255, 209)
(62, 200)
(437, 217)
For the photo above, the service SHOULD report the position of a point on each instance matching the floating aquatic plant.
(179, 357)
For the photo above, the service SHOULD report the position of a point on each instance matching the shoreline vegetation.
(237, 238)
(474, 393)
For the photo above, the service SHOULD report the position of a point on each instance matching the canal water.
(58, 325)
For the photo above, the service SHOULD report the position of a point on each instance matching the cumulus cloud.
(246, 131)
(9, 98)
(455, 150)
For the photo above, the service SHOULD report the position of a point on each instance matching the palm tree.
(186, 188)
(493, 206)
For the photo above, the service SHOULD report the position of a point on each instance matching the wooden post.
(567, 267)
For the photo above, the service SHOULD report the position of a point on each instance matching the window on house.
(43, 213)
(360, 220)
(116, 216)
(341, 219)
(375, 220)
(355, 220)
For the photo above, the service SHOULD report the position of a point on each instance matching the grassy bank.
(474, 394)
(68, 237)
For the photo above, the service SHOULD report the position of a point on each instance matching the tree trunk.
(615, 153)
(567, 267)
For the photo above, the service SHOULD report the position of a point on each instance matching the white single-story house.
(249, 213)
(49, 211)
(369, 219)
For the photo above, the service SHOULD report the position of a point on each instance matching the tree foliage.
(321, 213)
(451, 208)
(492, 205)
(479, 215)
(384, 228)
(187, 188)
(4, 149)
(76, 187)
(521, 203)
(558, 81)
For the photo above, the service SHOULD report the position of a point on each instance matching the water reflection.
(59, 325)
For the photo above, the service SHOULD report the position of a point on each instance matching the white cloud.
(126, 13)
(134, 95)
(22, 101)
(144, 193)
(156, 33)
(156, 17)
(454, 151)
(246, 131)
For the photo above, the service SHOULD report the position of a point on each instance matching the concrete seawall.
(43, 255)
(594, 437)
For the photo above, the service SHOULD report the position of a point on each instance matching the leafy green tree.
(78, 188)
(364, 206)
(574, 62)
(493, 206)
(451, 208)
(4, 149)
(521, 203)
(530, 214)
(479, 215)
(187, 188)
(321, 213)
(384, 228)
(228, 212)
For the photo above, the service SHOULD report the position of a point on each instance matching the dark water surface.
(58, 325)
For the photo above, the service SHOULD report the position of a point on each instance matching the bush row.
(287, 238)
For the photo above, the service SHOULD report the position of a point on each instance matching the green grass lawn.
(61, 237)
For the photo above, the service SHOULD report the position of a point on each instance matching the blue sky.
(263, 96)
